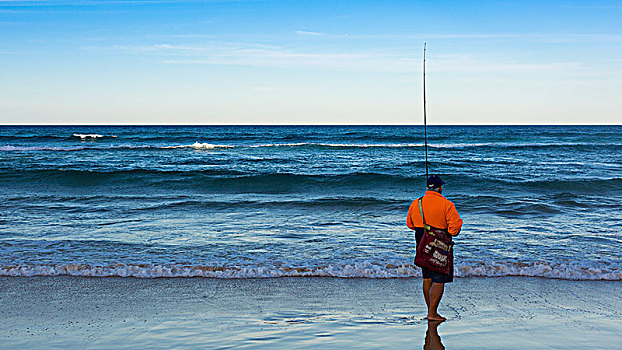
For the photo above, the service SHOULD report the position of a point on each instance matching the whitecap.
(199, 145)
(91, 136)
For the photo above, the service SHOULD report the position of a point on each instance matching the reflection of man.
(442, 214)
(432, 339)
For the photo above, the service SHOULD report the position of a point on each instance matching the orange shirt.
(438, 211)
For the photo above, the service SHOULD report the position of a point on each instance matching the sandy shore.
(484, 313)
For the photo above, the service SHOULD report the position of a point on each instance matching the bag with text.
(435, 250)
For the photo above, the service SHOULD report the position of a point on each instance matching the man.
(440, 213)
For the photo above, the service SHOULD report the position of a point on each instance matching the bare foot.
(436, 317)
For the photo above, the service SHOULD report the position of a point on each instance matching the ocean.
(298, 201)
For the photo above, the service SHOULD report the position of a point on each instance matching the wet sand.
(484, 313)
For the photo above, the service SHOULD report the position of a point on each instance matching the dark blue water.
(251, 201)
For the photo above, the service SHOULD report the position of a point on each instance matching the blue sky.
(310, 62)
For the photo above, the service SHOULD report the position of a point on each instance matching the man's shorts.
(435, 276)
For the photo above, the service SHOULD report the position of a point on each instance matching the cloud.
(245, 54)
(253, 55)
(199, 49)
(303, 32)
(465, 63)
(370, 60)
(530, 37)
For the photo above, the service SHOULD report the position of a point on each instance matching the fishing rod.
(425, 123)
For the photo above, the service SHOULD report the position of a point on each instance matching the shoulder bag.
(435, 250)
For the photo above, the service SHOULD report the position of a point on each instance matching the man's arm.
(409, 220)
(454, 222)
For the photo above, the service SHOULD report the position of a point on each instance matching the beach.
(483, 313)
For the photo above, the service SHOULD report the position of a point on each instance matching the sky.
(310, 62)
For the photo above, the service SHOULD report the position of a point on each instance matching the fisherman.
(442, 214)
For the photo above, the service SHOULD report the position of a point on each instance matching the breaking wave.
(92, 136)
(199, 145)
(354, 269)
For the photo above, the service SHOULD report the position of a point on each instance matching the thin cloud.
(304, 32)
(276, 56)
(531, 37)
(464, 63)
(233, 53)
(245, 54)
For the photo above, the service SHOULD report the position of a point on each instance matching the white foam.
(43, 148)
(460, 145)
(350, 145)
(91, 136)
(196, 145)
(359, 269)
(280, 145)
(367, 145)
(540, 269)
(199, 145)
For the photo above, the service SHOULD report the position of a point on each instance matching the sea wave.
(408, 145)
(33, 137)
(73, 148)
(353, 269)
(221, 179)
(338, 145)
(10, 148)
(209, 146)
(226, 179)
(199, 145)
(332, 204)
(196, 145)
(92, 136)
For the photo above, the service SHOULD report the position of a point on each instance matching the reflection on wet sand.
(432, 339)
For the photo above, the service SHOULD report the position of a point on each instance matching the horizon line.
(122, 125)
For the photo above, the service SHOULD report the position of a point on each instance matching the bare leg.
(436, 293)
(427, 283)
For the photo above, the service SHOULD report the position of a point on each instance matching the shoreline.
(338, 269)
(310, 312)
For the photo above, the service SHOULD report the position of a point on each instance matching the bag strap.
(420, 200)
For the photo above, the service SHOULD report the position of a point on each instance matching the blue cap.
(435, 181)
